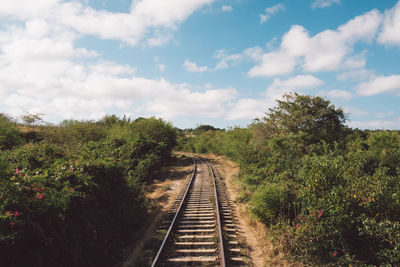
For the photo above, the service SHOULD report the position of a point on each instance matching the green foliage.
(32, 119)
(384, 149)
(329, 194)
(74, 198)
(158, 130)
(73, 132)
(269, 202)
(231, 142)
(10, 135)
(316, 117)
(203, 128)
(110, 120)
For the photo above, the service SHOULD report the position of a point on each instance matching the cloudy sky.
(200, 61)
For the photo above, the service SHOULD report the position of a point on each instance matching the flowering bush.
(74, 205)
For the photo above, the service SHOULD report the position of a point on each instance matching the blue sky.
(195, 62)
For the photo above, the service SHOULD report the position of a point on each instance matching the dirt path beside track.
(160, 195)
(260, 248)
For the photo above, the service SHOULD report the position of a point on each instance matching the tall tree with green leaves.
(312, 116)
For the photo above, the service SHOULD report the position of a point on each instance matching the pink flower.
(297, 225)
(39, 196)
(115, 160)
(71, 170)
(335, 253)
(320, 212)
(71, 189)
(8, 212)
(17, 171)
(16, 213)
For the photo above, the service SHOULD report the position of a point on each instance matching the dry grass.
(26, 129)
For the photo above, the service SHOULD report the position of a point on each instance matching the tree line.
(329, 194)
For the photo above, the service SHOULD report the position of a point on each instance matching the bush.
(270, 203)
(74, 198)
(73, 133)
(10, 135)
(331, 194)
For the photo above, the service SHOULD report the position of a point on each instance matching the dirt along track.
(201, 228)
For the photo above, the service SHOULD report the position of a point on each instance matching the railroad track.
(200, 230)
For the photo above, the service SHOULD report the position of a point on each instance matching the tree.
(157, 130)
(204, 128)
(314, 117)
(110, 120)
(31, 119)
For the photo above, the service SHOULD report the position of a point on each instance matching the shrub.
(74, 198)
(270, 203)
(10, 135)
(331, 194)
(73, 133)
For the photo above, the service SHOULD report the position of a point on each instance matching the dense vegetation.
(330, 194)
(71, 195)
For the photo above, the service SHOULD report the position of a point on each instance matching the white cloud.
(326, 51)
(346, 95)
(323, 3)
(208, 86)
(274, 63)
(226, 8)
(161, 67)
(355, 62)
(225, 60)
(269, 11)
(106, 68)
(356, 75)
(145, 16)
(177, 101)
(159, 39)
(254, 53)
(391, 27)
(356, 111)
(43, 72)
(382, 84)
(376, 124)
(297, 83)
(192, 67)
(248, 108)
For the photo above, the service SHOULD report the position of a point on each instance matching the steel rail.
(175, 217)
(220, 237)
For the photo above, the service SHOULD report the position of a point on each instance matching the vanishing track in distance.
(200, 223)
